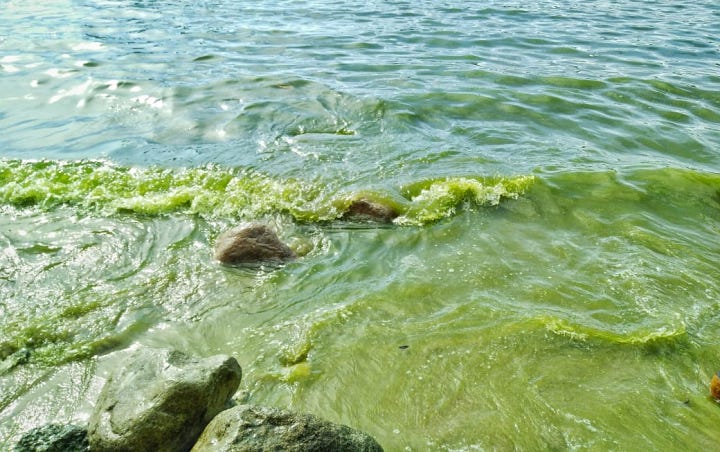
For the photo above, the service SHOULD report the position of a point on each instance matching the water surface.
(551, 281)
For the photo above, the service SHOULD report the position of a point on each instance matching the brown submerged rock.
(366, 210)
(715, 386)
(248, 428)
(255, 243)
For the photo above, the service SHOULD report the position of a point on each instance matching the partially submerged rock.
(715, 386)
(247, 428)
(161, 401)
(255, 243)
(54, 438)
(363, 209)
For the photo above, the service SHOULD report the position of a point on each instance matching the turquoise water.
(551, 281)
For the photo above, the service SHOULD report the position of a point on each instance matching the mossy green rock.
(54, 438)
(247, 428)
(161, 401)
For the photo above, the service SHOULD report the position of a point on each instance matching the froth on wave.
(648, 336)
(215, 191)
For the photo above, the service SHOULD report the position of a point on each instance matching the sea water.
(551, 281)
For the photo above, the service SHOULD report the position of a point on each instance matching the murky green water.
(551, 281)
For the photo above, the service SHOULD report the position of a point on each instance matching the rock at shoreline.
(247, 428)
(161, 401)
(363, 209)
(54, 438)
(255, 243)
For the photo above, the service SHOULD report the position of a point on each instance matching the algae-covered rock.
(255, 243)
(247, 428)
(363, 209)
(161, 401)
(54, 438)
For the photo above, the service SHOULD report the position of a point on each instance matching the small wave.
(433, 200)
(213, 191)
(107, 188)
(660, 334)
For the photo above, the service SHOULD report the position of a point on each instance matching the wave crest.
(215, 191)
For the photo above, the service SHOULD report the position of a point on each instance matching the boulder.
(255, 243)
(161, 401)
(247, 428)
(54, 438)
(366, 210)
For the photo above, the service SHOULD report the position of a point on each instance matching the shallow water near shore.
(550, 283)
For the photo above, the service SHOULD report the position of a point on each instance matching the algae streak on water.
(81, 279)
(586, 287)
(218, 192)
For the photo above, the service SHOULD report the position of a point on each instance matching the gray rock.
(366, 210)
(255, 243)
(161, 401)
(54, 438)
(247, 428)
